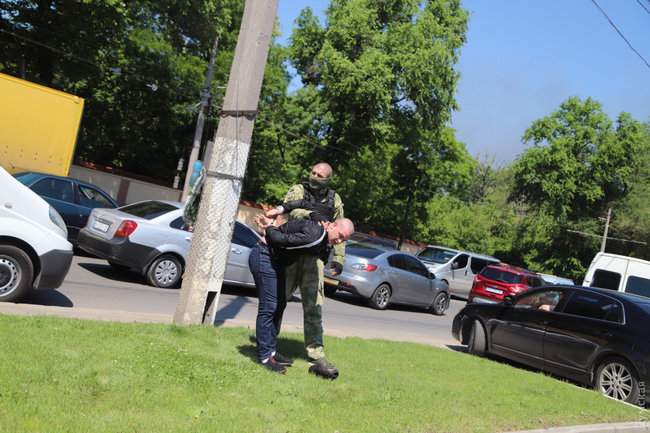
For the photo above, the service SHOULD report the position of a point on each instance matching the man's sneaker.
(322, 367)
(274, 366)
(283, 360)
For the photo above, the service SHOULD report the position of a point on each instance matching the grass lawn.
(62, 375)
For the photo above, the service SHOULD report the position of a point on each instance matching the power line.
(621, 34)
(609, 238)
(643, 6)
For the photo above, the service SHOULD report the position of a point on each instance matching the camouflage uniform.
(306, 274)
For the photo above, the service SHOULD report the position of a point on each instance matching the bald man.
(306, 272)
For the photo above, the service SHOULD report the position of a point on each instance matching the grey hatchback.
(388, 277)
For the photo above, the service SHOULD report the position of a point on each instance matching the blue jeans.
(269, 280)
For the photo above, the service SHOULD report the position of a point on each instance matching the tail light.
(126, 229)
(364, 267)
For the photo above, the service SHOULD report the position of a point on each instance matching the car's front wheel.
(16, 273)
(617, 379)
(165, 272)
(381, 297)
(440, 304)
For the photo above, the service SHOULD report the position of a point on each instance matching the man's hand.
(263, 222)
(336, 268)
(272, 213)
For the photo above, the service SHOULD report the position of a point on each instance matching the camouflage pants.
(306, 274)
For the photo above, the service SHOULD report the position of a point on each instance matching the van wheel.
(16, 273)
(165, 272)
(617, 379)
(477, 343)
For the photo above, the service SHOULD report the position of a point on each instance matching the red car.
(495, 282)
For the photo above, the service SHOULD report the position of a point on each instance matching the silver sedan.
(388, 277)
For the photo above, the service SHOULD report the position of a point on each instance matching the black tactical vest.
(323, 204)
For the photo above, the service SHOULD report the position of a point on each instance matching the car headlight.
(58, 221)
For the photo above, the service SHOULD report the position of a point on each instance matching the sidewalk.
(624, 427)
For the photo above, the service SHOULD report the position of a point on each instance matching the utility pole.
(200, 121)
(609, 216)
(226, 167)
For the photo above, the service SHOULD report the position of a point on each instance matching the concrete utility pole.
(200, 121)
(226, 167)
(609, 216)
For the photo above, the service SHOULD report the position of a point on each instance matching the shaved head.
(340, 231)
(322, 170)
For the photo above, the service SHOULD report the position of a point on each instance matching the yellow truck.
(38, 127)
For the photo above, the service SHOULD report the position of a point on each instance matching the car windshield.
(27, 178)
(148, 209)
(437, 255)
(501, 275)
(363, 251)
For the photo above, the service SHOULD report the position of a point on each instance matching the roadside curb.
(624, 427)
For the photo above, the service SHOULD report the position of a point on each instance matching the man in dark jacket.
(284, 245)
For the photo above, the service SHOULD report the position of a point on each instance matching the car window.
(606, 279)
(244, 236)
(501, 275)
(638, 286)
(477, 264)
(546, 300)
(461, 261)
(436, 255)
(535, 282)
(148, 209)
(27, 178)
(55, 188)
(415, 266)
(397, 261)
(90, 197)
(179, 224)
(362, 251)
(594, 306)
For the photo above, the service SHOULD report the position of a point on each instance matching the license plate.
(493, 290)
(100, 226)
(331, 282)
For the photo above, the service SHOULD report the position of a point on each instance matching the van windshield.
(436, 255)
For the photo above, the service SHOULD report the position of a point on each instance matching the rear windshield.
(501, 276)
(363, 251)
(27, 178)
(437, 255)
(148, 209)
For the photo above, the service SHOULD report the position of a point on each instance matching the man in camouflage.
(306, 271)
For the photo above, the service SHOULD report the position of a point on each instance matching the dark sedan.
(72, 198)
(592, 336)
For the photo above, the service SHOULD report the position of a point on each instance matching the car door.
(59, 193)
(419, 291)
(89, 198)
(518, 332)
(398, 277)
(587, 323)
(237, 270)
(459, 282)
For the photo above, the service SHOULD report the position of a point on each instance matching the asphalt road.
(93, 284)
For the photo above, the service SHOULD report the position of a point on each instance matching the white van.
(457, 268)
(620, 273)
(34, 250)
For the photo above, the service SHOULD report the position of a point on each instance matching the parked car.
(386, 277)
(596, 337)
(456, 268)
(622, 273)
(72, 198)
(151, 238)
(557, 281)
(495, 282)
(34, 252)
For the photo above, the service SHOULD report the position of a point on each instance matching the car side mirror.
(509, 300)
(432, 276)
(454, 265)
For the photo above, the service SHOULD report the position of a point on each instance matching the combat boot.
(322, 367)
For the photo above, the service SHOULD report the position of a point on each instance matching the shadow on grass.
(288, 347)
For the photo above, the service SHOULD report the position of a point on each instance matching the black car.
(593, 336)
(72, 198)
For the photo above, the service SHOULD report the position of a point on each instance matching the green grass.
(62, 375)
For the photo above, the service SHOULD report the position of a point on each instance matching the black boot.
(322, 367)
(283, 360)
(272, 365)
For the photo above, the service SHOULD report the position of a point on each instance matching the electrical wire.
(620, 34)
(643, 6)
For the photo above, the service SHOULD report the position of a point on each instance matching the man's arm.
(297, 192)
(293, 234)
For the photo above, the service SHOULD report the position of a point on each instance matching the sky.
(523, 58)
